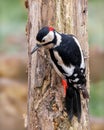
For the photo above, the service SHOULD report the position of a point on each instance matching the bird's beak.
(35, 48)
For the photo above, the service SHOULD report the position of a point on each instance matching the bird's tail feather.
(73, 103)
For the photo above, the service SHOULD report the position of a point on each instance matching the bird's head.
(45, 37)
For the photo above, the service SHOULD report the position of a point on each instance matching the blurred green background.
(13, 62)
(13, 17)
(96, 41)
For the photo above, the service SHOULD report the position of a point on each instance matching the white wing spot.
(82, 71)
(75, 75)
(76, 80)
(75, 85)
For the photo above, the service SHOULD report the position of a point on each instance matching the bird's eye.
(43, 40)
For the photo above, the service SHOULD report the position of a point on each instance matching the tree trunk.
(45, 92)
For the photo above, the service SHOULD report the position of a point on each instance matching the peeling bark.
(45, 92)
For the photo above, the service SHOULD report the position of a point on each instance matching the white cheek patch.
(49, 37)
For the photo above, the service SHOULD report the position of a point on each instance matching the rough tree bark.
(45, 92)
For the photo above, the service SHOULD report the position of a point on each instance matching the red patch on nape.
(51, 28)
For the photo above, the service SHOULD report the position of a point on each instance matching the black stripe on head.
(42, 33)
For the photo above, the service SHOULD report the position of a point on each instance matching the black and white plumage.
(68, 61)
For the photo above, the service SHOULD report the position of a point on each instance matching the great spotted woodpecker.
(68, 61)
